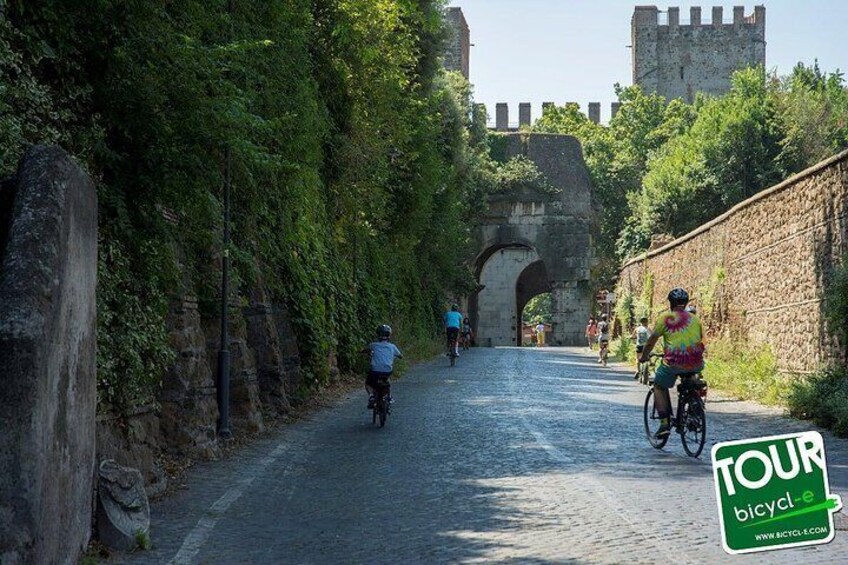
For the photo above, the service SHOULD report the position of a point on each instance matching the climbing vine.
(355, 166)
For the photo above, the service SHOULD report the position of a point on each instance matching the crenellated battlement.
(653, 16)
(525, 114)
(678, 58)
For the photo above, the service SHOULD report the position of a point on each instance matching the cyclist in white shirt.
(641, 334)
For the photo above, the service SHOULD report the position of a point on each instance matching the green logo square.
(773, 492)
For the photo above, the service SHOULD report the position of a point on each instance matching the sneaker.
(635, 375)
(371, 402)
(665, 430)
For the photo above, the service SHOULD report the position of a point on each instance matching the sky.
(576, 50)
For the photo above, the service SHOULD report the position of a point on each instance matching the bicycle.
(646, 370)
(382, 401)
(691, 418)
(453, 350)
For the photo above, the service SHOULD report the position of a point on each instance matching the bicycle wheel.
(694, 419)
(384, 407)
(652, 422)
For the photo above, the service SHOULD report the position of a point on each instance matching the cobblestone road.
(514, 456)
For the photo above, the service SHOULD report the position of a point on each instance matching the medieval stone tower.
(679, 59)
(458, 50)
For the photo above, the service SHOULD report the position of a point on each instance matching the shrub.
(622, 349)
(822, 398)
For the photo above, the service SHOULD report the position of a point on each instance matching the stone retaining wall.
(758, 271)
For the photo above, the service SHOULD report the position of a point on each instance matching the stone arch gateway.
(530, 241)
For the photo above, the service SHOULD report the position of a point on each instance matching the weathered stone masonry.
(48, 272)
(678, 60)
(529, 243)
(775, 252)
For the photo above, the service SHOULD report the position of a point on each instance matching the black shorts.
(640, 348)
(452, 333)
(377, 379)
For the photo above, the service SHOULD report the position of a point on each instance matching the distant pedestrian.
(592, 333)
(540, 334)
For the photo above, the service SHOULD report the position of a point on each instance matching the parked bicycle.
(690, 419)
(382, 403)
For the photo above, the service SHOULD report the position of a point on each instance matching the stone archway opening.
(509, 276)
(532, 282)
(538, 309)
(527, 225)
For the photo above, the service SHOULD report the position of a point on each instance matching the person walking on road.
(603, 339)
(592, 333)
(540, 334)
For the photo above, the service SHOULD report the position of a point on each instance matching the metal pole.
(223, 383)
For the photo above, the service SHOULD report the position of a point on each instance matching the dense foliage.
(355, 166)
(822, 398)
(538, 309)
(663, 169)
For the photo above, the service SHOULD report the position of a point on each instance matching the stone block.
(123, 512)
(48, 273)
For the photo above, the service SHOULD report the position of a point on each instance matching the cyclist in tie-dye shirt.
(683, 351)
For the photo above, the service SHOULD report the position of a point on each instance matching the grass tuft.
(142, 540)
(746, 374)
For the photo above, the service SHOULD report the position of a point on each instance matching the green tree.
(729, 153)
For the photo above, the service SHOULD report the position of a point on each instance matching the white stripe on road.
(200, 533)
(608, 498)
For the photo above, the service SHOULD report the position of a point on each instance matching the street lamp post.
(223, 381)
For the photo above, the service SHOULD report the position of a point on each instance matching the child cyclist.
(683, 351)
(383, 355)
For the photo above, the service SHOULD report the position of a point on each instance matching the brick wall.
(759, 270)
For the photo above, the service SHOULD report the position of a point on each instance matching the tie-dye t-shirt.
(682, 339)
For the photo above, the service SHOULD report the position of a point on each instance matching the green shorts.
(665, 375)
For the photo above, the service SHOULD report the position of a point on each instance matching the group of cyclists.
(679, 327)
(383, 352)
(683, 347)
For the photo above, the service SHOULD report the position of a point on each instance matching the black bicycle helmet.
(384, 331)
(677, 297)
(455, 307)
